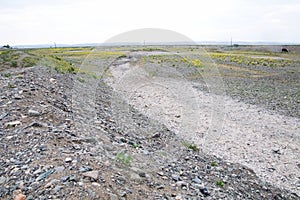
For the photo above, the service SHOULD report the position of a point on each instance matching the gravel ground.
(71, 136)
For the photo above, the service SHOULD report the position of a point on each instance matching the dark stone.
(205, 191)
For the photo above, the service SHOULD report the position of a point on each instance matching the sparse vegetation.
(10, 85)
(250, 59)
(135, 145)
(214, 164)
(81, 80)
(190, 146)
(30, 61)
(123, 158)
(220, 183)
(7, 75)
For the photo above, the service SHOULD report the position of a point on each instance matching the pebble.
(17, 97)
(52, 80)
(85, 169)
(113, 197)
(59, 169)
(2, 180)
(181, 183)
(45, 175)
(160, 187)
(57, 189)
(12, 124)
(205, 191)
(20, 197)
(91, 174)
(196, 180)
(68, 160)
(175, 177)
(33, 113)
(52, 182)
(65, 178)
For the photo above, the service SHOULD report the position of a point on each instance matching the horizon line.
(153, 43)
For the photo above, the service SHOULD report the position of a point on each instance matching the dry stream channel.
(266, 142)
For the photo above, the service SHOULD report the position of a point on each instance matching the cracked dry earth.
(65, 138)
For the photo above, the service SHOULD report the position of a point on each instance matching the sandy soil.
(266, 142)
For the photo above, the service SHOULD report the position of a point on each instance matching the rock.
(160, 187)
(12, 124)
(17, 194)
(45, 175)
(2, 180)
(205, 191)
(181, 183)
(68, 160)
(178, 197)
(73, 178)
(52, 182)
(196, 180)
(142, 174)
(10, 137)
(85, 169)
(24, 167)
(17, 97)
(43, 147)
(20, 197)
(113, 196)
(156, 135)
(277, 151)
(135, 177)
(91, 174)
(175, 177)
(160, 173)
(59, 169)
(57, 189)
(37, 171)
(96, 184)
(52, 80)
(65, 178)
(2, 116)
(33, 113)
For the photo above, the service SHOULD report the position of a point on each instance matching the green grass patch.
(214, 164)
(123, 158)
(7, 75)
(190, 146)
(30, 61)
(220, 183)
(10, 85)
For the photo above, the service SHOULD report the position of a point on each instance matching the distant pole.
(144, 43)
(231, 42)
(54, 45)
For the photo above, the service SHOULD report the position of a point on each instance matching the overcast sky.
(95, 21)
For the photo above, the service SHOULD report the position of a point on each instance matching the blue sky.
(91, 21)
